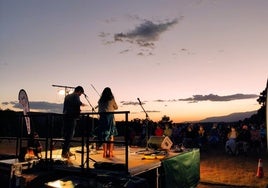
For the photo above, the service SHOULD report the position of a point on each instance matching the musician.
(107, 129)
(71, 112)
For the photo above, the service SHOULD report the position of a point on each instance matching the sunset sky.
(186, 59)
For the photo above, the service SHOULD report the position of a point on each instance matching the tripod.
(146, 129)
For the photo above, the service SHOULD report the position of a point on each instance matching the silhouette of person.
(71, 112)
(107, 127)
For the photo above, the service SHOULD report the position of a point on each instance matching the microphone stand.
(92, 108)
(147, 120)
(87, 143)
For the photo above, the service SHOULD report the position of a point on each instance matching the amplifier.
(160, 142)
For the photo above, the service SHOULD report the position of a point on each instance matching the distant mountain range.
(231, 117)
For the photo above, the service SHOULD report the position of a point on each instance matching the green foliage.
(260, 117)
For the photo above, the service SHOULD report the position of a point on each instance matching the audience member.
(167, 130)
(243, 139)
(202, 137)
(230, 146)
(158, 131)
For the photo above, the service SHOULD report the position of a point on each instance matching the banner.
(23, 100)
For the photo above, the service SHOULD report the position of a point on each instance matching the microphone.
(85, 95)
(139, 100)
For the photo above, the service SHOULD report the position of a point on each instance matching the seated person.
(167, 130)
(214, 136)
(230, 146)
(158, 131)
(202, 136)
(244, 138)
(190, 137)
(255, 139)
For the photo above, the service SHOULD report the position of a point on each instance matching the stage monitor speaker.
(160, 142)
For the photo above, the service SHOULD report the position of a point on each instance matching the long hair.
(106, 95)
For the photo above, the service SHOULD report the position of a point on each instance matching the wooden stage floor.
(139, 159)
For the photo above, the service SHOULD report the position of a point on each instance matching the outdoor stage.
(144, 168)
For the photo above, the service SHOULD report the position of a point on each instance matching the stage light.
(66, 90)
(61, 92)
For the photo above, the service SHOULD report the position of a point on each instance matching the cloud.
(40, 106)
(217, 98)
(124, 51)
(47, 106)
(146, 33)
(131, 103)
(160, 100)
(152, 111)
(5, 103)
(198, 98)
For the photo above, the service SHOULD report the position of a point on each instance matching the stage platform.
(153, 169)
(139, 159)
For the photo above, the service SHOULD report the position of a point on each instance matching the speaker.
(160, 142)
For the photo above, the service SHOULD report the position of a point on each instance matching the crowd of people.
(234, 139)
(243, 139)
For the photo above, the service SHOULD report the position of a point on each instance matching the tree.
(259, 117)
(165, 119)
(262, 98)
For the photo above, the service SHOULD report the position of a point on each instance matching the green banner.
(183, 170)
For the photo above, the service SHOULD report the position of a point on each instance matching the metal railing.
(50, 120)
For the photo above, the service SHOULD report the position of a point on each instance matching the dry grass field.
(218, 169)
